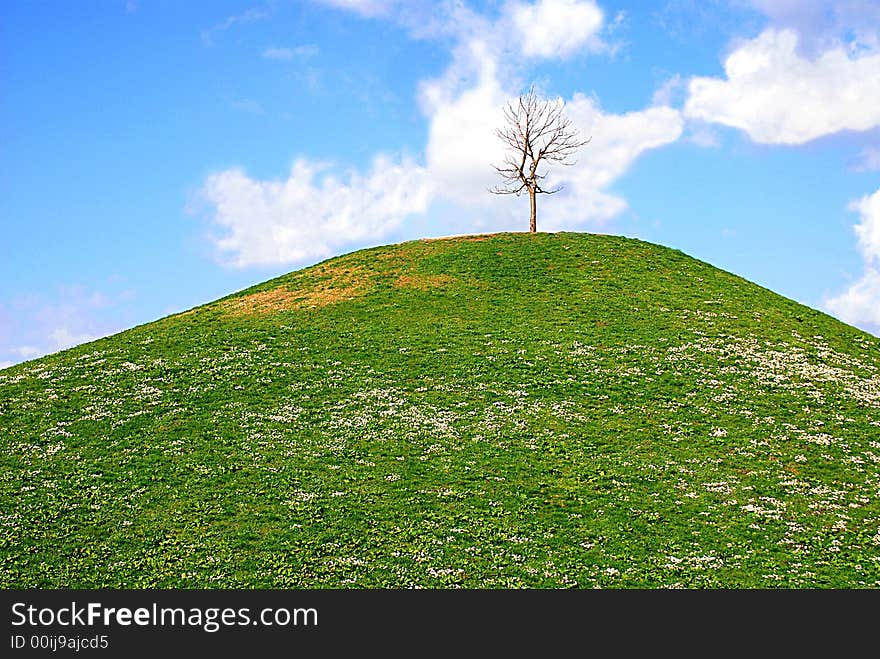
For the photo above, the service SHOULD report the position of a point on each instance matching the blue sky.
(158, 155)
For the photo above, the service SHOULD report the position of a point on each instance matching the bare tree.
(536, 132)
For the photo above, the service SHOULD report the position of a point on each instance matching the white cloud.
(558, 28)
(860, 303)
(868, 230)
(779, 97)
(5, 364)
(462, 146)
(27, 351)
(311, 213)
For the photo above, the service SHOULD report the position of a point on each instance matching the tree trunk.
(533, 213)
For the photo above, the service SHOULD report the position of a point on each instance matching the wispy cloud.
(280, 54)
(702, 134)
(247, 105)
(370, 8)
(248, 16)
(825, 24)
(37, 325)
(868, 160)
(671, 92)
(64, 338)
(542, 29)
(289, 54)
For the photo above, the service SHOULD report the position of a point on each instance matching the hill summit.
(506, 410)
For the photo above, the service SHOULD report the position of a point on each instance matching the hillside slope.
(547, 410)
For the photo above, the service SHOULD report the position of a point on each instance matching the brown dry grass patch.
(331, 283)
(322, 285)
(339, 273)
(408, 252)
(423, 282)
(283, 299)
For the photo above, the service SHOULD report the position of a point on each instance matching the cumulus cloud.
(310, 213)
(778, 96)
(462, 145)
(5, 364)
(868, 230)
(558, 28)
(860, 303)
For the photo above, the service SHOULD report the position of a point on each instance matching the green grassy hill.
(549, 410)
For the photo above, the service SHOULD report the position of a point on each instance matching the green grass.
(544, 411)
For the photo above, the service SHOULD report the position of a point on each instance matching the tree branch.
(536, 130)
